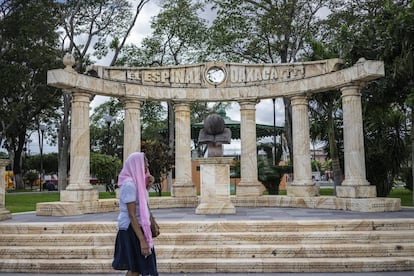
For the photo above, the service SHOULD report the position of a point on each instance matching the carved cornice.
(197, 83)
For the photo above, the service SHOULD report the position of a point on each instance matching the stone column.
(302, 184)
(132, 126)
(79, 188)
(4, 213)
(249, 184)
(183, 186)
(355, 184)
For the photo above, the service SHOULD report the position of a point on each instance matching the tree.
(28, 48)
(379, 30)
(160, 161)
(109, 139)
(268, 174)
(106, 137)
(264, 31)
(178, 37)
(326, 115)
(105, 168)
(91, 28)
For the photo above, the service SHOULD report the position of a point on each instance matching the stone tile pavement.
(188, 214)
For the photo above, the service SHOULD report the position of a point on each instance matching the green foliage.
(28, 49)
(160, 161)
(154, 118)
(269, 174)
(386, 148)
(94, 24)
(262, 31)
(50, 163)
(31, 177)
(378, 30)
(178, 37)
(107, 137)
(104, 167)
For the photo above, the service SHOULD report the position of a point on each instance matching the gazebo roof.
(261, 130)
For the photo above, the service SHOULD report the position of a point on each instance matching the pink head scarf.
(134, 170)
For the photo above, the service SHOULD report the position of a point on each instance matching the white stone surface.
(214, 186)
(132, 126)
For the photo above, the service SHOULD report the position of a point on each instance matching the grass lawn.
(26, 202)
(405, 195)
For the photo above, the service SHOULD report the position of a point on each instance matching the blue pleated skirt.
(127, 254)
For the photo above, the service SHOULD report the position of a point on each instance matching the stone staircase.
(217, 246)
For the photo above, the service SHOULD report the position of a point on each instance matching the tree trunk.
(171, 140)
(17, 170)
(288, 126)
(412, 154)
(63, 144)
(333, 152)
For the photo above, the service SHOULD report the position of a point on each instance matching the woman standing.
(134, 247)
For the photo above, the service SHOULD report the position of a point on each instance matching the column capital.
(132, 102)
(81, 97)
(182, 106)
(351, 88)
(299, 100)
(247, 104)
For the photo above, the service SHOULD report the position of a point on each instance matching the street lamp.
(108, 119)
(42, 129)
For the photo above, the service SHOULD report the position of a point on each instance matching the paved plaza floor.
(188, 214)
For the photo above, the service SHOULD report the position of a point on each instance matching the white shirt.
(127, 194)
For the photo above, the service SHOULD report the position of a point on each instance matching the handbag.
(155, 228)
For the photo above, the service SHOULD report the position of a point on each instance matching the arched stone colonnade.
(246, 84)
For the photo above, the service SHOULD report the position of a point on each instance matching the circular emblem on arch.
(215, 75)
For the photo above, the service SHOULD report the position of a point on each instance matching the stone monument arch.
(245, 84)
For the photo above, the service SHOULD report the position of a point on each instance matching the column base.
(186, 189)
(79, 195)
(5, 214)
(365, 191)
(214, 208)
(249, 189)
(61, 209)
(302, 190)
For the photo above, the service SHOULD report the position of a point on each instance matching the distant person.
(134, 246)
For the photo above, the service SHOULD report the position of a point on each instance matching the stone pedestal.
(215, 186)
(79, 195)
(4, 213)
(356, 191)
(72, 203)
(304, 190)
